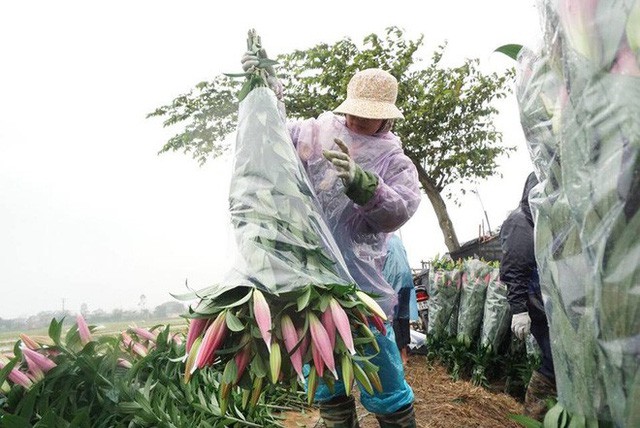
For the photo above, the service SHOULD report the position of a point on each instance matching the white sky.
(89, 213)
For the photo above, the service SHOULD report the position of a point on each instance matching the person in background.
(367, 188)
(519, 272)
(397, 272)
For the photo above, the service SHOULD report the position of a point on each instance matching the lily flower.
(190, 366)
(243, 357)
(329, 326)
(196, 327)
(578, 20)
(143, 333)
(83, 329)
(262, 314)
(341, 321)
(371, 304)
(379, 324)
(625, 62)
(275, 362)
(213, 338)
(290, 337)
(320, 339)
(29, 342)
(135, 347)
(124, 363)
(17, 377)
(304, 344)
(317, 360)
(36, 359)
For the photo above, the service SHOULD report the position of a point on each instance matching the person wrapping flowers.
(367, 188)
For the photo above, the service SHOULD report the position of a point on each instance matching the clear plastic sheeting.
(496, 318)
(444, 292)
(282, 241)
(579, 98)
(476, 275)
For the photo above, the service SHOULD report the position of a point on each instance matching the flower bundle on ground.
(580, 103)
(91, 379)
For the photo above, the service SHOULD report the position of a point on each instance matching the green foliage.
(447, 130)
(511, 50)
(89, 388)
(509, 366)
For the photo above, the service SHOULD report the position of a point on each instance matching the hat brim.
(369, 109)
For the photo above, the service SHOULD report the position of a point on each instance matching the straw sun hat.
(371, 94)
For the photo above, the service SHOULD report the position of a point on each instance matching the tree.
(448, 128)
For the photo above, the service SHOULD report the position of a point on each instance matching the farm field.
(8, 338)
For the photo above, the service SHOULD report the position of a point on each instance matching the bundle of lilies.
(288, 300)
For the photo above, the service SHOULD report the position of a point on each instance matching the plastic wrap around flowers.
(580, 109)
(288, 300)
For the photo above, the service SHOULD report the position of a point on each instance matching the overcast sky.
(89, 213)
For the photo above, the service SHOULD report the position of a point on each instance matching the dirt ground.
(439, 403)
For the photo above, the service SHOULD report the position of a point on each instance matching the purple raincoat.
(360, 231)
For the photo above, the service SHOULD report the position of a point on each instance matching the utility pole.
(483, 210)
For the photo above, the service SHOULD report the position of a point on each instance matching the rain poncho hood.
(361, 232)
(524, 201)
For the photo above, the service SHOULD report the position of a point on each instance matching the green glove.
(360, 185)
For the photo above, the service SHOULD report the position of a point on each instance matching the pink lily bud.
(625, 62)
(290, 337)
(177, 339)
(317, 360)
(329, 326)
(83, 329)
(379, 324)
(262, 314)
(242, 361)
(34, 372)
(320, 339)
(341, 321)
(135, 347)
(304, 344)
(29, 342)
(143, 333)
(196, 327)
(17, 377)
(213, 338)
(578, 20)
(124, 363)
(44, 363)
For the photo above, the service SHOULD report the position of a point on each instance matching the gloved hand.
(251, 60)
(343, 163)
(521, 325)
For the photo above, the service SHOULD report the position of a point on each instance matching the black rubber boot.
(539, 390)
(403, 418)
(339, 413)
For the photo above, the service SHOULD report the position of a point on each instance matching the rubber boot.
(403, 418)
(539, 390)
(339, 413)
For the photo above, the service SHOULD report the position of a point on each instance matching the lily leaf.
(510, 50)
